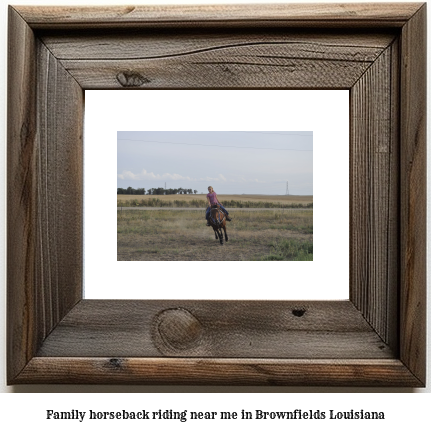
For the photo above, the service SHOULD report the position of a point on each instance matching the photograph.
(182, 195)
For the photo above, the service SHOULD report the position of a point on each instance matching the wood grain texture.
(205, 59)
(226, 329)
(197, 371)
(392, 300)
(256, 61)
(45, 106)
(413, 194)
(300, 14)
(56, 53)
(59, 245)
(140, 44)
(374, 195)
(21, 194)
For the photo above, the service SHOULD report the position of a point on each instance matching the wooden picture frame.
(376, 338)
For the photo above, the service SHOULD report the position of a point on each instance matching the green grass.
(290, 250)
(259, 235)
(164, 221)
(298, 221)
(158, 221)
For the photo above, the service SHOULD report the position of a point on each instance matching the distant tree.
(156, 191)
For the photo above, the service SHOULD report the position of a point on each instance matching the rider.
(212, 199)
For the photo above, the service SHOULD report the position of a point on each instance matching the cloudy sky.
(231, 162)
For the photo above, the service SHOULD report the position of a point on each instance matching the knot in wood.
(298, 312)
(115, 363)
(131, 79)
(178, 329)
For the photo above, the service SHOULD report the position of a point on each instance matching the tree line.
(155, 191)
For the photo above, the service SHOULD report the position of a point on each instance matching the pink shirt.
(213, 198)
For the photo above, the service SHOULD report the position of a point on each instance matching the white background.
(404, 410)
(326, 113)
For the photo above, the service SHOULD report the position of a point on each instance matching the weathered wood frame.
(376, 338)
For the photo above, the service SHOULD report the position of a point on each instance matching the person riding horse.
(213, 200)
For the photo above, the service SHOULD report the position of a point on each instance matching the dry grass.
(281, 199)
(165, 235)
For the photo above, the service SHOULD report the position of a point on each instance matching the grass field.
(304, 199)
(232, 201)
(182, 235)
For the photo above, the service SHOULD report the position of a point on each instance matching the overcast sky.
(231, 162)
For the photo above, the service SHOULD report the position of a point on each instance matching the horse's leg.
(215, 232)
(225, 233)
(221, 236)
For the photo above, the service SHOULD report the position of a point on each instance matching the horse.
(218, 222)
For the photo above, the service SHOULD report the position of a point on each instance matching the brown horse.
(217, 220)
